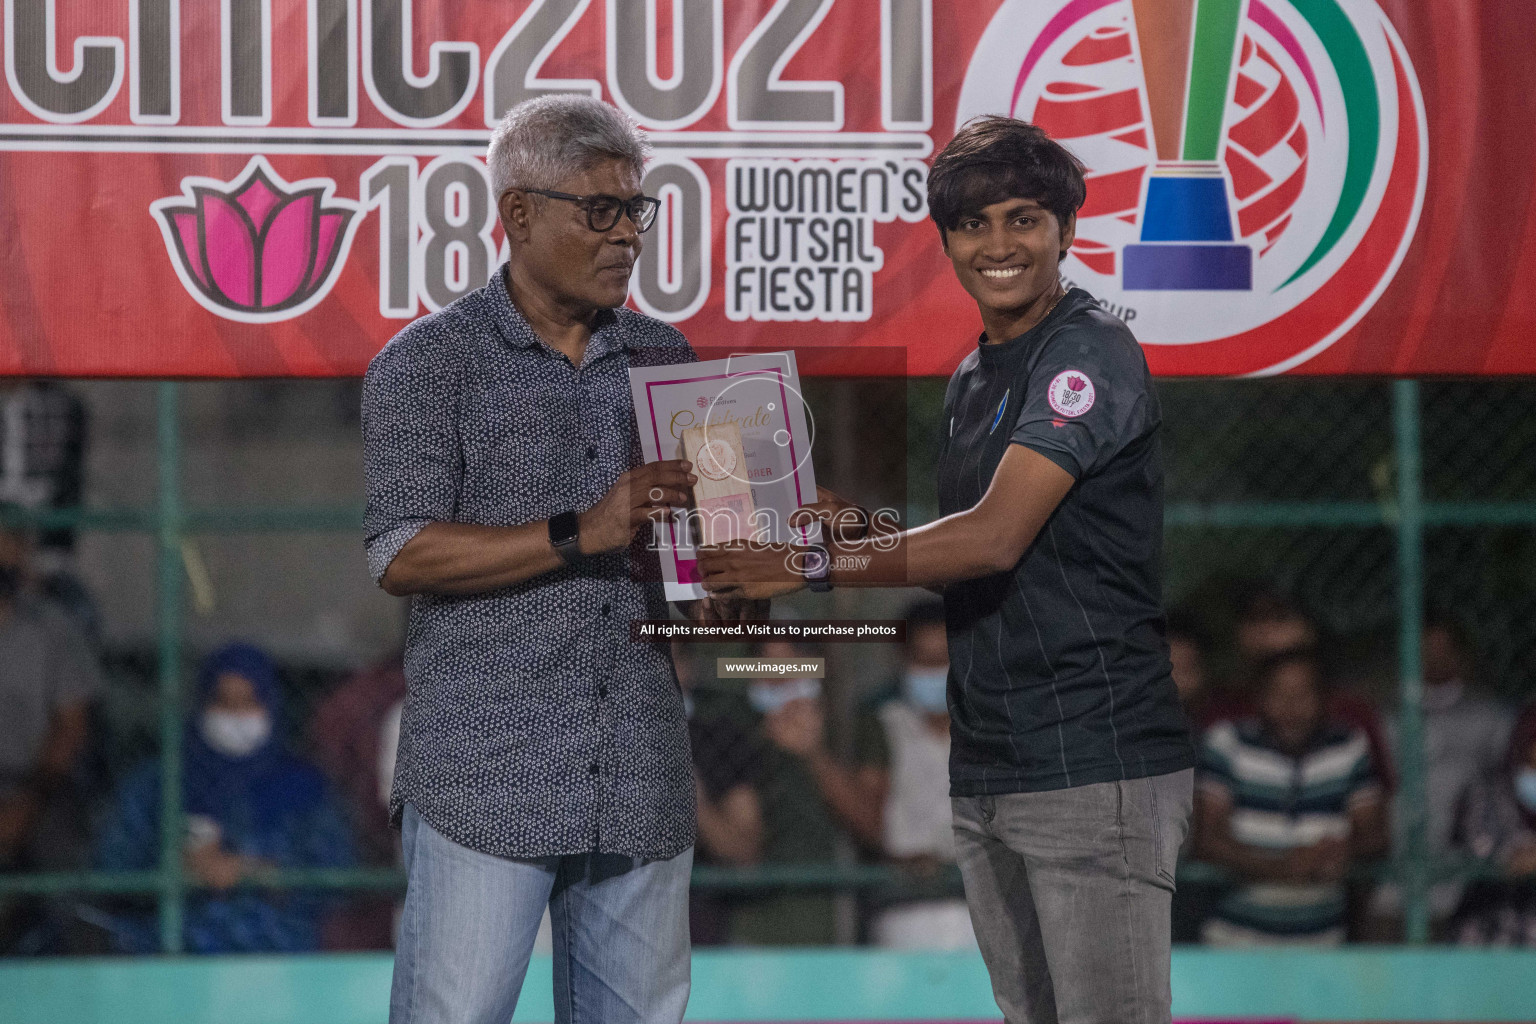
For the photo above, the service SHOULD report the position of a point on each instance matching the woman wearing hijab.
(1497, 825)
(251, 806)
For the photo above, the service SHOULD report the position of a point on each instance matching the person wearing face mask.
(725, 771)
(48, 679)
(251, 806)
(1466, 732)
(1497, 825)
(917, 829)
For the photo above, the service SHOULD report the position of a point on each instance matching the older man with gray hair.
(543, 758)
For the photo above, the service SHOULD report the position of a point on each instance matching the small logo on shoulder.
(1071, 393)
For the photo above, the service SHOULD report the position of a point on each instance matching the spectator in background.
(1186, 651)
(42, 458)
(48, 678)
(349, 735)
(251, 806)
(1194, 899)
(811, 800)
(917, 827)
(1269, 624)
(1288, 801)
(353, 735)
(726, 776)
(1465, 736)
(1497, 824)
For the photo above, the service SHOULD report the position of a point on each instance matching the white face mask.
(770, 697)
(927, 688)
(236, 733)
(1525, 788)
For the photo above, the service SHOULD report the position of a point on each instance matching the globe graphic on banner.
(1254, 174)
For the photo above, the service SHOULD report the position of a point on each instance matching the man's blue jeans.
(620, 934)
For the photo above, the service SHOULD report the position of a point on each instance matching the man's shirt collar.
(609, 333)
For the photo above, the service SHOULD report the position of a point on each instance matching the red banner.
(274, 187)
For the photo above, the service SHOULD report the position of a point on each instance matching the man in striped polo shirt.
(1288, 800)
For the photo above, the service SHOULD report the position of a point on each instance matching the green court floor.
(796, 985)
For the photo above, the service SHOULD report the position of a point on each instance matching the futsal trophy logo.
(1187, 242)
(1255, 168)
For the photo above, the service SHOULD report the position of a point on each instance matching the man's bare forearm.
(1368, 830)
(731, 829)
(1251, 862)
(853, 796)
(67, 735)
(467, 558)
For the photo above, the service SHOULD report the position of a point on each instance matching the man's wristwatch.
(816, 567)
(565, 537)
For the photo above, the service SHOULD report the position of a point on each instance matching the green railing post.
(168, 611)
(1410, 602)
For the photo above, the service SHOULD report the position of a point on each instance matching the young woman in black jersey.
(1071, 766)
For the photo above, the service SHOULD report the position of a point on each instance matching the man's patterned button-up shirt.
(533, 726)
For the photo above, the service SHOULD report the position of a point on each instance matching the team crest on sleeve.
(1071, 393)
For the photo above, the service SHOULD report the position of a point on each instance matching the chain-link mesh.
(1267, 454)
(1480, 446)
(1290, 484)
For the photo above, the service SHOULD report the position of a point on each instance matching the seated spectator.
(251, 806)
(917, 828)
(348, 735)
(1288, 801)
(1465, 736)
(725, 770)
(1187, 645)
(812, 802)
(48, 679)
(353, 736)
(1186, 651)
(1269, 624)
(1497, 825)
(43, 435)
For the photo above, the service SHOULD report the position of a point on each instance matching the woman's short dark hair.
(993, 159)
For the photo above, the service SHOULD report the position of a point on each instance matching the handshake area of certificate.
(742, 422)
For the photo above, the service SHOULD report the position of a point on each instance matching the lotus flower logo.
(257, 248)
(1076, 383)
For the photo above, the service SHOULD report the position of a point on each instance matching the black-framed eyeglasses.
(603, 210)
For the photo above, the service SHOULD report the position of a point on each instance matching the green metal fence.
(1365, 448)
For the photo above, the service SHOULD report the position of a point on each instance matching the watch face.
(816, 561)
(563, 528)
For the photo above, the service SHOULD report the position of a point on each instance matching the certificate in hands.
(742, 423)
(722, 497)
